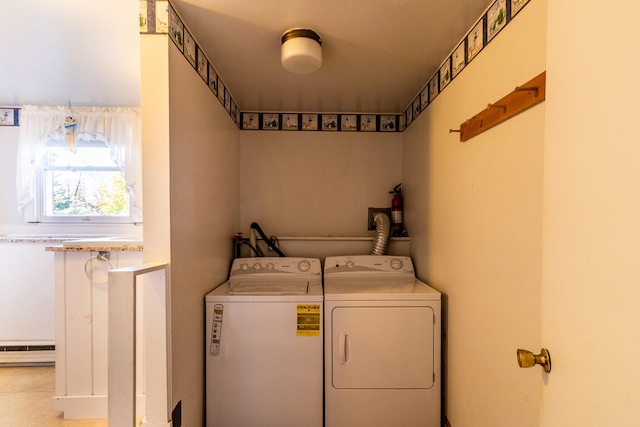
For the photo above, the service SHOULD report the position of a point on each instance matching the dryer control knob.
(270, 266)
(244, 267)
(304, 265)
(257, 266)
(396, 263)
(350, 264)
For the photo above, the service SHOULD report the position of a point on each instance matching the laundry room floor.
(26, 394)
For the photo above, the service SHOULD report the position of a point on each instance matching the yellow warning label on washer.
(308, 320)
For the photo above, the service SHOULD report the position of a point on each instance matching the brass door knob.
(527, 359)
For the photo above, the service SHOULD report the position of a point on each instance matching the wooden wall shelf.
(522, 98)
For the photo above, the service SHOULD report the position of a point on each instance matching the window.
(87, 183)
(95, 178)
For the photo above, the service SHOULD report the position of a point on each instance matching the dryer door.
(383, 347)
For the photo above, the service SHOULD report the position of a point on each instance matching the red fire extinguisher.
(396, 210)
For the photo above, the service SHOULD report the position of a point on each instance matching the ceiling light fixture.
(301, 51)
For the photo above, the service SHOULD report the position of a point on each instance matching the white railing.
(122, 345)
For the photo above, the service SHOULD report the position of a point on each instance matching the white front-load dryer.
(264, 341)
(382, 344)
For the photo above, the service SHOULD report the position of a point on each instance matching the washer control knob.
(350, 264)
(257, 266)
(396, 263)
(270, 266)
(304, 265)
(244, 267)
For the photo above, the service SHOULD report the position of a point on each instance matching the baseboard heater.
(27, 354)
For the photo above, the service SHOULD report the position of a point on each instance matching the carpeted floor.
(26, 394)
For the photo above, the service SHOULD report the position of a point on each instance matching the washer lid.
(297, 287)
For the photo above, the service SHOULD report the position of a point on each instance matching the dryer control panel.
(361, 264)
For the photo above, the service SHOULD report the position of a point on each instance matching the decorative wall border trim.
(493, 20)
(9, 116)
(335, 122)
(154, 17)
(160, 17)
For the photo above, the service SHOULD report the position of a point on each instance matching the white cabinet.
(81, 330)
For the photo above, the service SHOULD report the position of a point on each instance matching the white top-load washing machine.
(382, 344)
(264, 341)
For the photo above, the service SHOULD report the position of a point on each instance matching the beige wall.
(591, 239)
(475, 209)
(154, 84)
(316, 183)
(204, 169)
(191, 173)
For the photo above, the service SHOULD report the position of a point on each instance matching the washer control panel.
(368, 263)
(275, 265)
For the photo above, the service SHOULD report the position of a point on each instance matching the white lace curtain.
(119, 128)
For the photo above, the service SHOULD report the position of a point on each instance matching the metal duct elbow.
(383, 232)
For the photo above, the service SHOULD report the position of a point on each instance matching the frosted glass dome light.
(301, 51)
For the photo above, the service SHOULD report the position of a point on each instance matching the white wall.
(26, 294)
(10, 218)
(591, 239)
(316, 183)
(475, 212)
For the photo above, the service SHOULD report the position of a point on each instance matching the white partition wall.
(124, 285)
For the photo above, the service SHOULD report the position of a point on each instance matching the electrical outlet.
(371, 225)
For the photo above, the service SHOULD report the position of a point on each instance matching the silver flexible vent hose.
(383, 231)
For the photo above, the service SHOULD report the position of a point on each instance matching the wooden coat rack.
(522, 98)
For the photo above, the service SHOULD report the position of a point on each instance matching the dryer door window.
(383, 347)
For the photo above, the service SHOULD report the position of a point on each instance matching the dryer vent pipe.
(383, 232)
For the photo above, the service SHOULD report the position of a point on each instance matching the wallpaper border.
(160, 17)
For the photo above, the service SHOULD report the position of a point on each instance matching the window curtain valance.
(119, 128)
